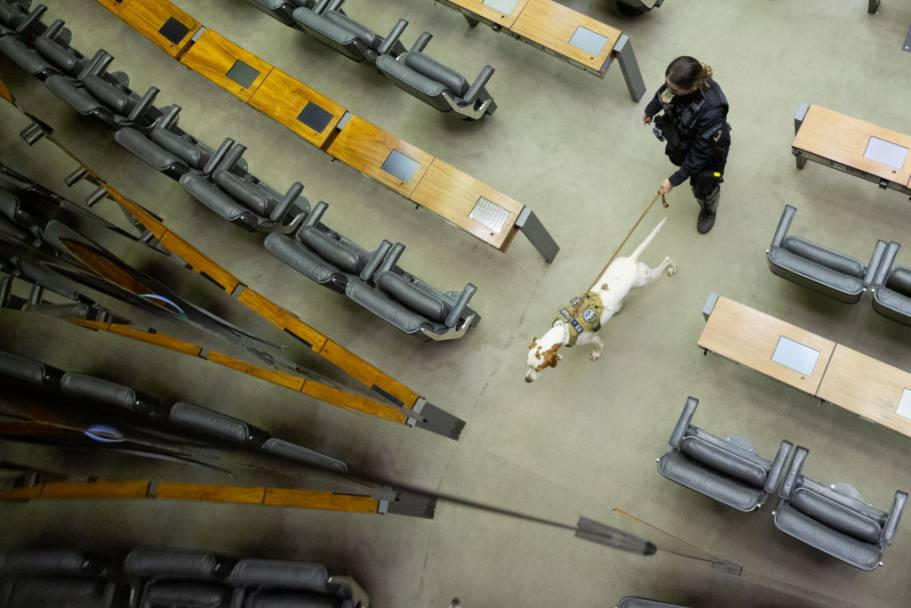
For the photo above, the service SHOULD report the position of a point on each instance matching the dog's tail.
(648, 240)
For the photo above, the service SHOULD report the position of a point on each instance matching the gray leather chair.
(110, 394)
(106, 97)
(412, 305)
(12, 12)
(892, 288)
(434, 83)
(166, 147)
(325, 256)
(301, 584)
(53, 578)
(726, 470)
(18, 30)
(327, 23)
(225, 187)
(54, 45)
(282, 9)
(834, 519)
(821, 269)
(29, 371)
(638, 602)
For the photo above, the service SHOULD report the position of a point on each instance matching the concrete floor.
(582, 441)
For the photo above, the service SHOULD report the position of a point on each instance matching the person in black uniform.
(693, 122)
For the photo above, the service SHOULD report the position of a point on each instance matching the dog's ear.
(534, 343)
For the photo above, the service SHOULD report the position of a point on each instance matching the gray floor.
(583, 439)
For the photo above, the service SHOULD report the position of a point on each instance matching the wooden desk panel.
(282, 98)
(115, 6)
(866, 386)
(749, 337)
(213, 55)
(843, 139)
(452, 195)
(551, 25)
(365, 147)
(477, 8)
(149, 16)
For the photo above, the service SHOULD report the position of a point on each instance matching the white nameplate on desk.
(489, 214)
(504, 6)
(904, 404)
(885, 152)
(795, 356)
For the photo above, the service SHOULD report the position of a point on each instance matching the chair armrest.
(335, 5)
(376, 258)
(885, 265)
(218, 156)
(281, 209)
(778, 467)
(30, 21)
(686, 417)
(452, 318)
(52, 30)
(787, 216)
(143, 105)
(790, 480)
(100, 65)
(895, 514)
(316, 214)
(421, 43)
(393, 37)
(89, 67)
(393, 257)
(875, 262)
(169, 118)
(480, 82)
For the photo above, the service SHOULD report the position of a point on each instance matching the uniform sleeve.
(654, 106)
(701, 148)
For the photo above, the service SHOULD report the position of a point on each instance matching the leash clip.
(664, 202)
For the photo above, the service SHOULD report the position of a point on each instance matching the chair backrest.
(67, 59)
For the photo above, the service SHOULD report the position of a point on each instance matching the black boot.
(709, 208)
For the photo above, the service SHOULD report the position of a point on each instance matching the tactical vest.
(582, 314)
(685, 115)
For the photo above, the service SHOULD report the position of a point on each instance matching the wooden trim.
(324, 501)
(209, 493)
(291, 381)
(148, 17)
(95, 489)
(213, 55)
(115, 6)
(282, 318)
(367, 374)
(352, 401)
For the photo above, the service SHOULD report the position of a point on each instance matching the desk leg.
(472, 23)
(872, 6)
(623, 51)
(529, 223)
(798, 120)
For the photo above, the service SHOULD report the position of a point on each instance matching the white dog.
(578, 323)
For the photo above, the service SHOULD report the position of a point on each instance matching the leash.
(629, 234)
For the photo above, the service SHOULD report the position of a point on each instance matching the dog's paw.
(671, 270)
(595, 355)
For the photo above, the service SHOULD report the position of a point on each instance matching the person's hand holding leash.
(646, 119)
(665, 187)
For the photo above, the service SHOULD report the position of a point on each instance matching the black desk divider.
(243, 74)
(314, 117)
(401, 166)
(174, 30)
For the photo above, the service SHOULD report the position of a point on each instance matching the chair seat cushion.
(90, 388)
(66, 59)
(363, 33)
(24, 56)
(836, 516)
(898, 306)
(724, 461)
(195, 155)
(414, 82)
(22, 368)
(170, 563)
(74, 95)
(49, 561)
(187, 594)
(243, 190)
(292, 451)
(827, 257)
(332, 250)
(679, 468)
(283, 574)
(846, 548)
(109, 94)
(412, 297)
(292, 599)
(433, 69)
(388, 309)
(814, 274)
(209, 422)
(339, 38)
(60, 593)
(301, 259)
(146, 150)
(900, 281)
(213, 197)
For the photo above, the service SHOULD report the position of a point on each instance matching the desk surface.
(452, 194)
(213, 56)
(283, 98)
(115, 6)
(552, 25)
(366, 147)
(866, 386)
(844, 139)
(151, 19)
(749, 337)
(489, 13)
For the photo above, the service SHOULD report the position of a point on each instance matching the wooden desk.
(476, 10)
(840, 142)
(289, 101)
(115, 6)
(866, 386)
(214, 56)
(452, 195)
(367, 147)
(750, 338)
(161, 22)
(551, 26)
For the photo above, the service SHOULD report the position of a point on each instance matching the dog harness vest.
(582, 314)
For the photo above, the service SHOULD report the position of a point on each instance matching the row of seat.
(170, 578)
(411, 70)
(841, 276)
(221, 180)
(833, 519)
(183, 417)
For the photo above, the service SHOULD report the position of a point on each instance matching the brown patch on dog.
(550, 358)
(534, 343)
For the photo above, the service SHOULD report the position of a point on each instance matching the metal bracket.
(435, 420)
(709, 307)
(412, 505)
(540, 238)
(623, 51)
